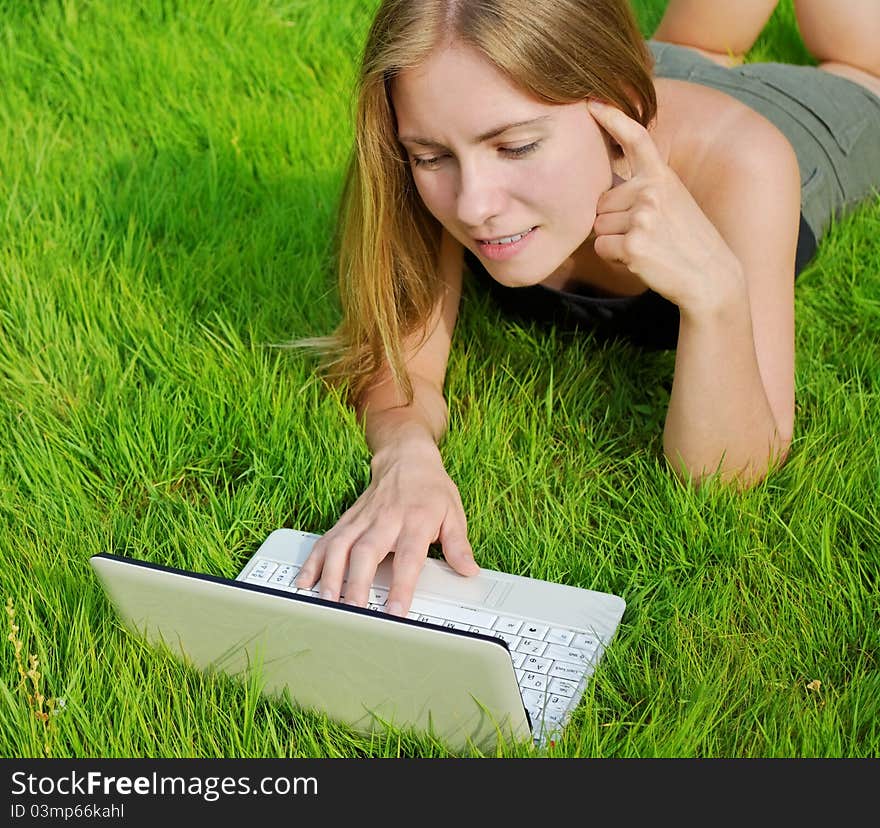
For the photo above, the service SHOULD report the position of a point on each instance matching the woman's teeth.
(510, 239)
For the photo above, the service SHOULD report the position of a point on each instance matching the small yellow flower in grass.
(814, 685)
(36, 699)
(16, 641)
(33, 673)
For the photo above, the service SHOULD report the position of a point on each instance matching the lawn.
(168, 180)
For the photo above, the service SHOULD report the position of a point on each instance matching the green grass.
(168, 177)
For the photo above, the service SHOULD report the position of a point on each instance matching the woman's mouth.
(504, 247)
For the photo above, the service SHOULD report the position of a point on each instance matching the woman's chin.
(552, 274)
(514, 279)
(525, 273)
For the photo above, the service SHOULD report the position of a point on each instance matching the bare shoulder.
(721, 149)
(740, 169)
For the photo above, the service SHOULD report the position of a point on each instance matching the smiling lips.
(506, 239)
(505, 246)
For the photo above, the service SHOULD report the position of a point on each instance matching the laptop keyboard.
(552, 664)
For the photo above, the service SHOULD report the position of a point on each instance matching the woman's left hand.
(652, 224)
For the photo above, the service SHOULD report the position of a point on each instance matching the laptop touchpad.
(440, 579)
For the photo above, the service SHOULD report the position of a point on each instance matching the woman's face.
(490, 163)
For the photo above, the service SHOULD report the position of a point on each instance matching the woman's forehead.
(458, 87)
(454, 67)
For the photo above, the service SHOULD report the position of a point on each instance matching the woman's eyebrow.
(486, 136)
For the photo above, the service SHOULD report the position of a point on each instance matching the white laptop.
(478, 659)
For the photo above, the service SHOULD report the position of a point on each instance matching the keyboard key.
(558, 653)
(284, 575)
(533, 681)
(585, 642)
(530, 646)
(377, 596)
(536, 664)
(453, 612)
(534, 701)
(518, 658)
(563, 686)
(553, 720)
(531, 630)
(455, 625)
(566, 670)
(508, 625)
(556, 705)
(261, 573)
(558, 636)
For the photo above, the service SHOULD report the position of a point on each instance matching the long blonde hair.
(387, 243)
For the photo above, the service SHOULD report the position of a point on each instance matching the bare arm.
(732, 403)
(411, 502)
(723, 251)
(382, 409)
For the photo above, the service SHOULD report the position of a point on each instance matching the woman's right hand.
(411, 502)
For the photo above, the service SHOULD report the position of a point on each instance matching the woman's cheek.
(432, 195)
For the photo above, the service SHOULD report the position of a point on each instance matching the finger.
(633, 138)
(456, 548)
(611, 224)
(409, 558)
(620, 197)
(310, 571)
(611, 248)
(347, 526)
(335, 564)
(361, 574)
(369, 549)
(312, 567)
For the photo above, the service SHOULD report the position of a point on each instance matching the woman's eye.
(509, 152)
(519, 152)
(429, 163)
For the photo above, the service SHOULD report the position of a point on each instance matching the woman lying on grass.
(644, 190)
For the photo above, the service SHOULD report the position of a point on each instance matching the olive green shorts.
(832, 123)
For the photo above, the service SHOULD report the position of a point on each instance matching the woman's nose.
(481, 196)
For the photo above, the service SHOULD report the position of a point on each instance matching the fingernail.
(395, 608)
(326, 594)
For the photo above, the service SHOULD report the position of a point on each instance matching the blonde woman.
(652, 191)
